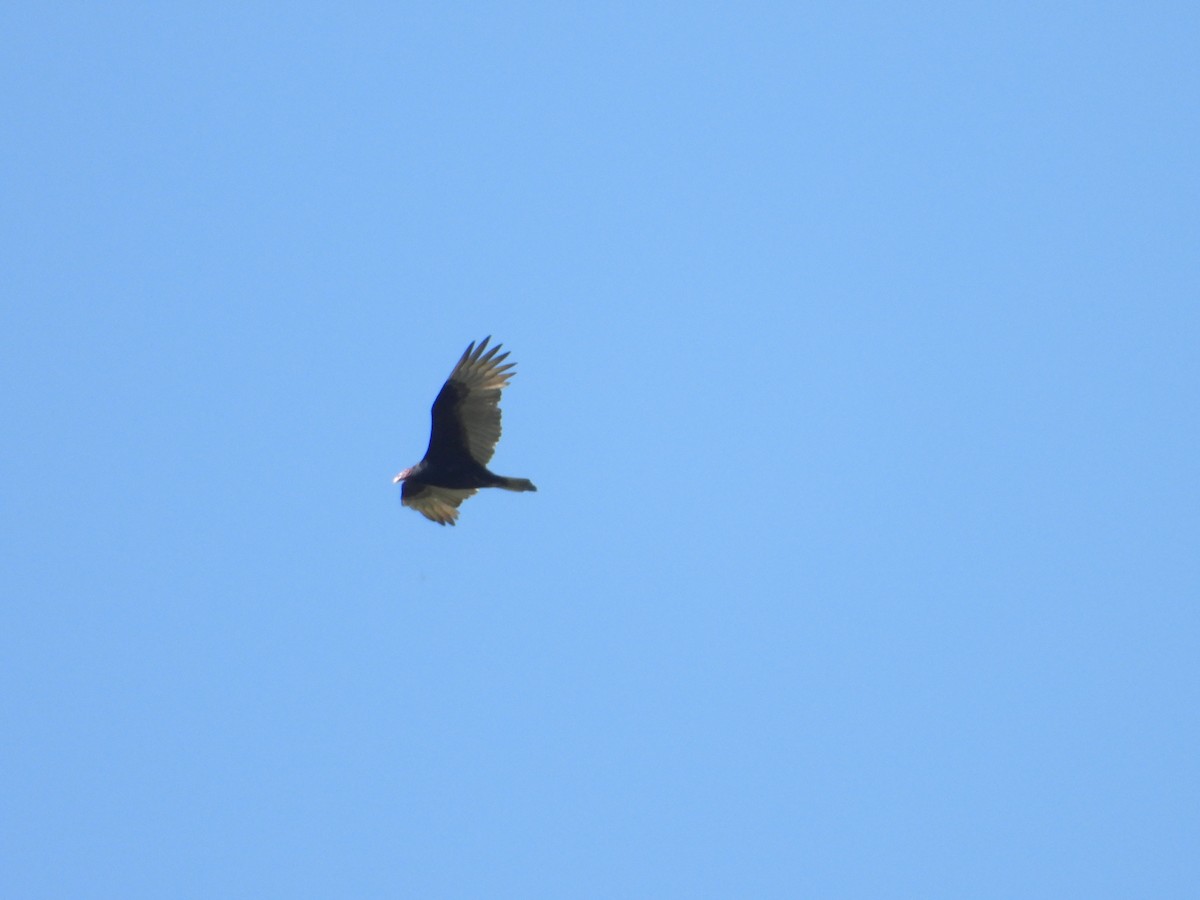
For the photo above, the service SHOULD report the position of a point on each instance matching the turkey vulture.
(466, 427)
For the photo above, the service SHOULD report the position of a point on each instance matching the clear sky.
(858, 373)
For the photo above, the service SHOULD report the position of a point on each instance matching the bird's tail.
(515, 484)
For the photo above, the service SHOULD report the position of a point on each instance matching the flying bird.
(466, 427)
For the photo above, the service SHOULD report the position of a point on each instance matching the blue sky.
(857, 371)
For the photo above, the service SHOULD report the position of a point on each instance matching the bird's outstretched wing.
(438, 504)
(466, 413)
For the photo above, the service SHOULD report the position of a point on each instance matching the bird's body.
(466, 427)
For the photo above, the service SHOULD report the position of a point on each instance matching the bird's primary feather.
(438, 504)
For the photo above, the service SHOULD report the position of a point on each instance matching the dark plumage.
(466, 427)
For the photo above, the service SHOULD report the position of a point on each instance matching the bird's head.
(399, 478)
